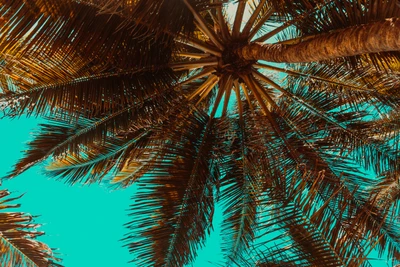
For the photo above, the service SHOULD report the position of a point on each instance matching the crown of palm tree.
(284, 114)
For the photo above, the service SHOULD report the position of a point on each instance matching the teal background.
(85, 223)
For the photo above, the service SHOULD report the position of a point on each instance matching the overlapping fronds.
(59, 46)
(301, 228)
(168, 16)
(64, 135)
(92, 95)
(240, 187)
(76, 29)
(18, 244)
(341, 115)
(174, 211)
(172, 95)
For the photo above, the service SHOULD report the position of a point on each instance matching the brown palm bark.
(374, 37)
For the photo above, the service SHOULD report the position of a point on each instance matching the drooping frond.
(339, 120)
(240, 187)
(301, 228)
(59, 46)
(64, 136)
(77, 29)
(173, 213)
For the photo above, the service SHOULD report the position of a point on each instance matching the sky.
(85, 223)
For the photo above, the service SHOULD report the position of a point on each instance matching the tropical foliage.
(18, 247)
(283, 113)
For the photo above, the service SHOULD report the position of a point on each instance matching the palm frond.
(18, 244)
(169, 226)
(78, 29)
(90, 95)
(310, 231)
(240, 188)
(168, 16)
(64, 136)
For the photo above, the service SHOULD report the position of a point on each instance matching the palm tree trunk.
(375, 37)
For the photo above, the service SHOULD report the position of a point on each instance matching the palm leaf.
(314, 224)
(93, 95)
(173, 222)
(18, 244)
(65, 136)
(172, 17)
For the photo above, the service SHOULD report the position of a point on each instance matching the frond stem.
(212, 79)
(193, 55)
(247, 95)
(189, 65)
(203, 73)
(238, 98)
(18, 250)
(260, 24)
(222, 24)
(238, 18)
(228, 89)
(250, 82)
(314, 77)
(202, 25)
(207, 91)
(200, 45)
(252, 19)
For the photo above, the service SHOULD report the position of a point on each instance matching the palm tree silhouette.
(286, 117)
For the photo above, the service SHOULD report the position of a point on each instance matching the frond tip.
(18, 247)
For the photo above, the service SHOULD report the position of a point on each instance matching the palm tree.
(18, 246)
(195, 106)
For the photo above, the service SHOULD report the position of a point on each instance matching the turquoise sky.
(84, 222)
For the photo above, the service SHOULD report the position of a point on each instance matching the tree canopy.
(284, 113)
